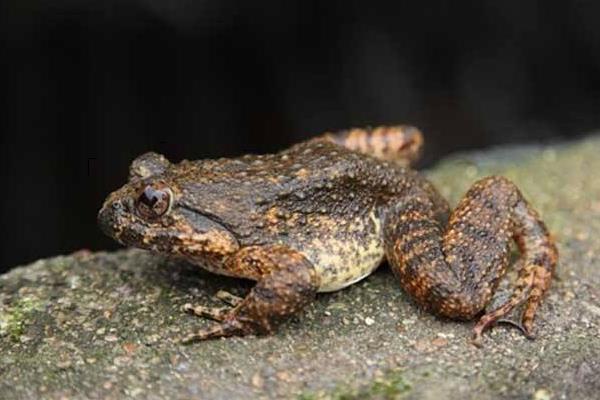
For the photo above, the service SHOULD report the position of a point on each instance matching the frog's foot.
(533, 281)
(495, 318)
(290, 283)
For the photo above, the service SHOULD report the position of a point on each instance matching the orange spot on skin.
(303, 173)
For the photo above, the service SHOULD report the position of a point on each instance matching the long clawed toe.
(227, 326)
(484, 324)
(214, 313)
(223, 329)
(520, 326)
(228, 298)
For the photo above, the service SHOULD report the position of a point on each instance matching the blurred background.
(85, 86)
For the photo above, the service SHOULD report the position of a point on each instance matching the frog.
(324, 214)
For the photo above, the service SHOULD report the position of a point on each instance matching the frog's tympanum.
(323, 215)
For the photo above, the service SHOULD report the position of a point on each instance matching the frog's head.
(149, 212)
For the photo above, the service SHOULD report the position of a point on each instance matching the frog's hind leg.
(287, 284)
(401, 144)
(455, 271)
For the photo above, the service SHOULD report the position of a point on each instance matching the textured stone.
(104, 325)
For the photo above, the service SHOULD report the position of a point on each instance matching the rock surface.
(105, 325)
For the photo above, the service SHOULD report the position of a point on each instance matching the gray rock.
(104, 325)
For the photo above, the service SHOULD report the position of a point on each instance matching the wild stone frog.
(323, 215)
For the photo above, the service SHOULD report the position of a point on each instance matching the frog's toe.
(491, 318)
(214, 313)
(480, 327)
(228, 298)
(476, 339)
(520, 326)
(227, 328)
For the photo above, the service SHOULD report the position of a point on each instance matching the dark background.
(85, 86)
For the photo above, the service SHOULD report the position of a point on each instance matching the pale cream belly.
(347, 255)
(357, 272)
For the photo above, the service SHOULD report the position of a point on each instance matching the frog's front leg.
(454, 271)
(286, 283)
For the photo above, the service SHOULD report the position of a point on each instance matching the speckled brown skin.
(401, 144)
(324, 214)
(454, 271)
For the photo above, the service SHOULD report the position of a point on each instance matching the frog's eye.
(153, 202)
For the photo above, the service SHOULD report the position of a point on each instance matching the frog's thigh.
(286, 284)
(401, 143)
